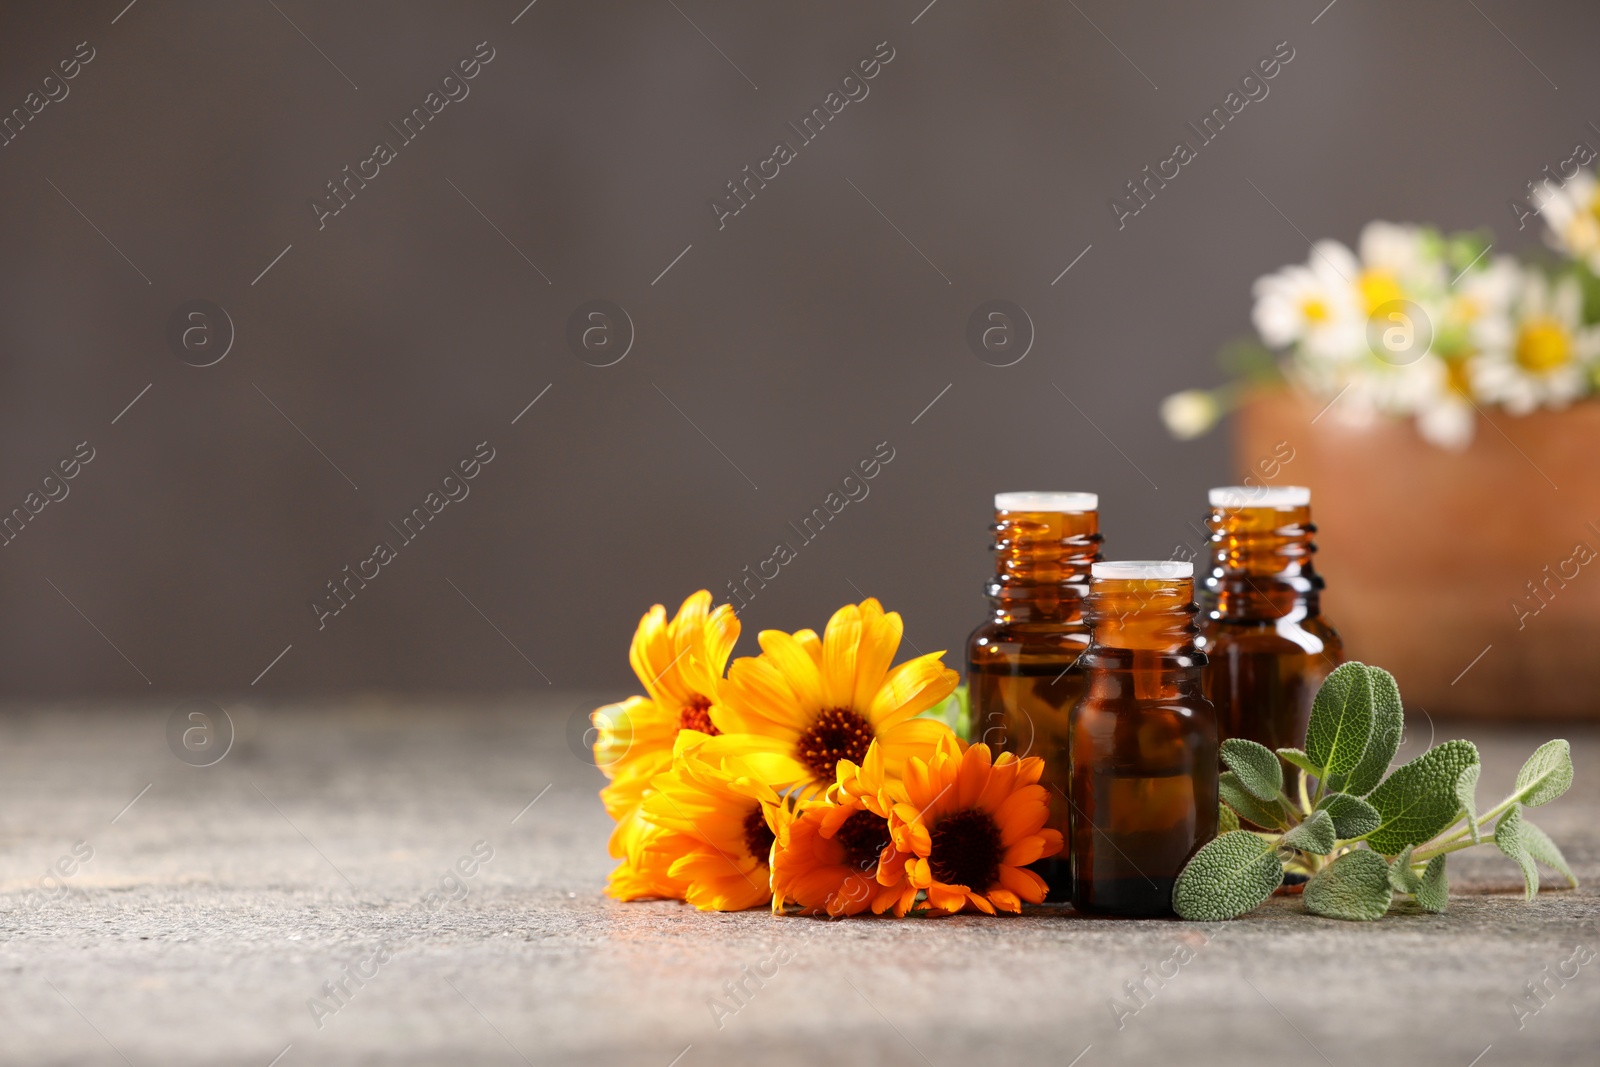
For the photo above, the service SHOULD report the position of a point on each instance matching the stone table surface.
(206, 908)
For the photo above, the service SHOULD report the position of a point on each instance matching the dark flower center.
(836, 734)
(966, 850)
(696, 715)
(863, 837)
(758, 836)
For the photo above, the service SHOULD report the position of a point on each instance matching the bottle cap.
(1163, 570)
(1260, 496)
(1064, 502)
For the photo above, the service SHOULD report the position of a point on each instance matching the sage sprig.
(1362, 835)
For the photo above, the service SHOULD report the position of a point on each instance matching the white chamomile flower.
(1475, 316)
(1447, 419)
(1190, 413)
(1399, 261)
(1314, 306)
(1424, 388)
(1572, 219)
(1548, 358)
(1480, 304)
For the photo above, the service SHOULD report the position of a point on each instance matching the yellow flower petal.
(798, 669)
(839, 643)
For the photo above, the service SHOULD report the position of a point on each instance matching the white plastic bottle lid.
(1163, 570)
(1260, 496)
(1070, 503)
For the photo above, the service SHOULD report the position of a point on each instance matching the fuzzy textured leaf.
(1298, 758)
(1388, 720)
(1341, 720)
(1315, 835)
(1434, 892)
(1508, 838)
(1241, 800)
(1352, 816)
(1467, 797)
(1541, 848)
(1228, 877)
(1419, 798)
(1546, 775)
(1355, 886)
(1402, 879)
(1257, 769)
(1227, 821)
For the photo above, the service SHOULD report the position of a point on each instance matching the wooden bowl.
(1472, 576)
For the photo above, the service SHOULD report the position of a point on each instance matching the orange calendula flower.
(966, 828)
(680, 664)
(647, 852)
(828, 851)
(794, 712)
(718, 829)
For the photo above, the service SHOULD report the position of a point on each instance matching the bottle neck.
(1041, 565)
(1153, 616)
(1261, 564)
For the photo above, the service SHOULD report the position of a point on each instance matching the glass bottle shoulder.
(1288, 634)
(1009, 640)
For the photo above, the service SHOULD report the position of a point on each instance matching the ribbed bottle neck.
(1144, 615)
(1262, 563)
(1042, 561)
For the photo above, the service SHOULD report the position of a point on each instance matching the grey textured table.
(218, 906)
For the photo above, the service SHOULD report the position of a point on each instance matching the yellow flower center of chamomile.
(836, 734)
(696, 715)
(1456, 378)
(1313, 309)
(966, 850)
(1542, 346)
(758, 836)
(1378, 287)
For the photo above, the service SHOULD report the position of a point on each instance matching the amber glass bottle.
(1143, 742)
(1268, 646)
(1020, 676)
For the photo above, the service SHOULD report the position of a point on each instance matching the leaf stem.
(1419, 858)
(1483, 820)
(1305, 800)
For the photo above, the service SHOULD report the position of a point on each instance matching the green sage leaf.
(1467, 797)
(1341, 720)
(1508, 837)
(1546, 775)
(1419, 798)
(1227, 821)
(1352, 816)
(1315, 835)
(1355, 886)
(1402, 879)
(1228, 877)
(1241, 800)
(1258, 770)
(1299, 759)
(1541, 848)
(1434, 892)
(1388, 720)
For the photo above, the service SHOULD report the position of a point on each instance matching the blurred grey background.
(770, 356)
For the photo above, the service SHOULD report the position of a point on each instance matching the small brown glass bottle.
(1143, 742)
(1268, 646)
(1020, 677)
